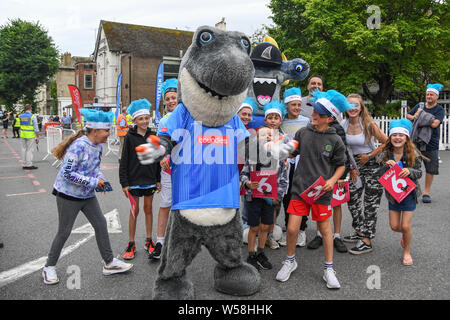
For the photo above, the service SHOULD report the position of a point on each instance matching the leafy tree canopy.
(28, 58)
(397, 45)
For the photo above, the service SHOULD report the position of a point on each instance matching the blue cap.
(274, 107)
(435, 88)
(97, 119)
(170, 85)
(403, 126)
(292, 94)
(249, 102)
(331, 100)
(138, 108)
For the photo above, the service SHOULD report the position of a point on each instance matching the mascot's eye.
(206, 37)
(245, 43)
(299, 68)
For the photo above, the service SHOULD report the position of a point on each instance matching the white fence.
(444, 143)
(53, 137)
(113, 142)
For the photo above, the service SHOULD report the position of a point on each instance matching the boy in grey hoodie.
(322, 154)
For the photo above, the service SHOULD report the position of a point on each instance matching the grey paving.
(29, 222)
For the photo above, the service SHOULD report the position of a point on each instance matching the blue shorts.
(408, 204)
(259, 211)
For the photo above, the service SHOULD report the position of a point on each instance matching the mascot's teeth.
(265, 80)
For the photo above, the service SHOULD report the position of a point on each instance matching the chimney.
(66, 59)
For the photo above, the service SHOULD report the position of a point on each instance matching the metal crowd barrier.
(113, 142)
(54, 137)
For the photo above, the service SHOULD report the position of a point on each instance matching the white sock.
(336, 235)
(319, 234)
(328, 265)
(160, 240)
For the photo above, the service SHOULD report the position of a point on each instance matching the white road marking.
(25, 269)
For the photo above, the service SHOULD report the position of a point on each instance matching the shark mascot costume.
(272, 71)
(203, 136)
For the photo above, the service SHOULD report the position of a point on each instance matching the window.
(88, 81)
(171, 67)
(88, 67)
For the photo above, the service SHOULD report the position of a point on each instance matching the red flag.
(76, 100)
(314, 191)
(398, 187)
(267, 187)
(340, 195)
(133, 204)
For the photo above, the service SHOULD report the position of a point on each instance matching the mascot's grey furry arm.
(214, 76)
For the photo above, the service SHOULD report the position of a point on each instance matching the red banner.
(76, 100)
(314, 192)
(398, 187)
(267, 187)
(340, 195)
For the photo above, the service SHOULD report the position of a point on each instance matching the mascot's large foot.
(241, 281)
(173, 289)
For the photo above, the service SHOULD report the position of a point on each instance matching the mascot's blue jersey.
(204, 161)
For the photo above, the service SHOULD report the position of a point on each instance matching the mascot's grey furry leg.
(183, 242)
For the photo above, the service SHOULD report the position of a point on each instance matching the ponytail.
(60, 150)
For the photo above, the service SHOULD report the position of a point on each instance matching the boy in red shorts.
(322, 153)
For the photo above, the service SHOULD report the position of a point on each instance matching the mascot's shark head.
(271, 71)
(215, 74)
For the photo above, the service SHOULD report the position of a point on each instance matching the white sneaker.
(49, 275)
(286, 270)
(283, 242)
(301, 239)
(271, 242)
(329, 276)
(116, 266)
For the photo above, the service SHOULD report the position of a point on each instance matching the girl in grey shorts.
(74, 188)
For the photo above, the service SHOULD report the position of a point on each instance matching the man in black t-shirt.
(432, 150)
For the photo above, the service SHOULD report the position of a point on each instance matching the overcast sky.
(73, 25)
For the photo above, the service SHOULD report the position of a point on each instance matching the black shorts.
(259, 209)
(432, 166)
(5, 125)
(142, 192)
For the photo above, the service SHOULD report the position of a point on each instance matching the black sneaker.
(253, 260)
(339, 245)
(361, 247)
(353, 238)
(156, 254)
(263, 262)
(315, 243)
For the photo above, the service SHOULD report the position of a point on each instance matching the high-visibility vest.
(17, 123)
(26, 126)
(129, 120)
(121, 125)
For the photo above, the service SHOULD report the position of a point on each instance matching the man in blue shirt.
(432, 150)
(66, 121)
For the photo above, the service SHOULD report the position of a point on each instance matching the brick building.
(136, 52)
(85, 76)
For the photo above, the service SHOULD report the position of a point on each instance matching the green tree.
(54, 96)
(28, 58)
(342, 41)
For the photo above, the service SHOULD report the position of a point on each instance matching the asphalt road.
(28, 223)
